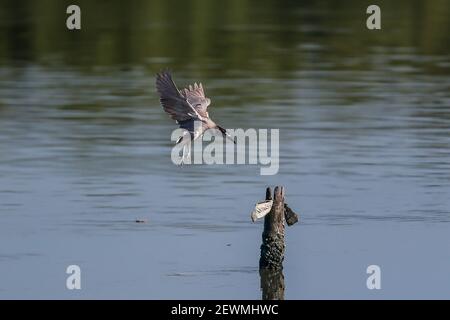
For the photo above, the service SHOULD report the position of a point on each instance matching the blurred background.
(364, 119)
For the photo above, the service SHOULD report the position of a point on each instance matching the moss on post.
(272, 247)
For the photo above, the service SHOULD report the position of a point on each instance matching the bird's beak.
(230, 137)
(224, 132)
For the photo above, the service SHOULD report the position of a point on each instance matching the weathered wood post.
(273, 246)
(272, 284)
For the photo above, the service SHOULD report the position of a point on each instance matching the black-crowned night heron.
(188, 107)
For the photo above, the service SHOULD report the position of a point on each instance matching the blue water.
(364, 157)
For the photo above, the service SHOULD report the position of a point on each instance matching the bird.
(186, 107)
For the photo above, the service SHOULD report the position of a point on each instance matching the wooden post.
(272, 284)
(290, 216)
(272, 248)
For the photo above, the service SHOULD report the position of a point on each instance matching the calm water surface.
(364, 123)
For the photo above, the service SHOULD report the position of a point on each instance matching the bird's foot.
(185, 158)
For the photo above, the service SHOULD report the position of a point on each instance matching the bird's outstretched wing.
(173, 102)
(195, 96)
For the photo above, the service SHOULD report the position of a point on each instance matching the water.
(364, 123)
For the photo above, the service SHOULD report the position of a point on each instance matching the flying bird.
(186, 107)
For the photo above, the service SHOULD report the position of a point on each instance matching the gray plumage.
(186, 106)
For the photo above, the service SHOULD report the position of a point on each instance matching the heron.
(187, 107)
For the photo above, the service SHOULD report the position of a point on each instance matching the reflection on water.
(364, 122)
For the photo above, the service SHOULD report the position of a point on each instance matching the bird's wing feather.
(173, 102)
(195, 95)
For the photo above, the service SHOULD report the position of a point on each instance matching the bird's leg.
(185, 141)
(183, 156)
(186, 154)
(188, 150)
